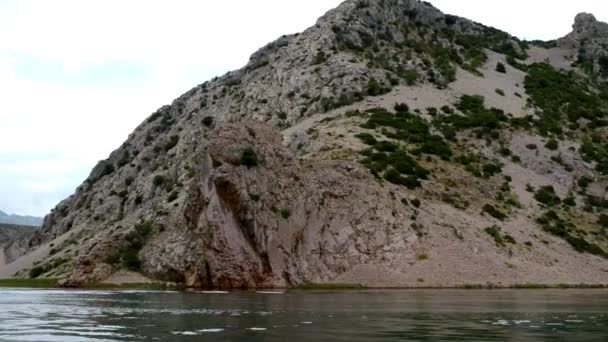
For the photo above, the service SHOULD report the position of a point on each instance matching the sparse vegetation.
(500, 239)
(476, 116)
(128, 254)
(249, 158)
(560, 95)
(495, 213)
(552, 223)
(547, 196)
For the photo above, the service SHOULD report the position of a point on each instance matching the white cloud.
(76, 76)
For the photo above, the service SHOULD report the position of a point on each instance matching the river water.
(374, 315)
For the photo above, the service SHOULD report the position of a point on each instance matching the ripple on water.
(198, 332)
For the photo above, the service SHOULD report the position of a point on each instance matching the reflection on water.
(420, 315)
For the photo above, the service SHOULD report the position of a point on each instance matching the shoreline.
(52, 284)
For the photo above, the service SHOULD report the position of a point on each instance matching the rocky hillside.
(387, 145)
(14, 241)
(19, 220)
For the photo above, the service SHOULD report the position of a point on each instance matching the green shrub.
(173, 140)
(320, 58)
(509, 239)
(471, 104)
(401, 108)
(208, 121)
(495, 213)
(501, 68)
(552, 223)
(411, 77)
(569, 201)
(560, 95)
(128, 254)
(517, 65)
(494, 232)
(547, 196)
(447, 109)
(172, 196)
(475, 116)
(596, 151)
(159, 180)
(285, 213)
(36, 271)
(249, 158)
(393, 176)
(409, 128)
(552, 144)
(603, 220)
(374, 88)
(367, 139)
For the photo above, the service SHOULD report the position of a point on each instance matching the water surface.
(375, 315)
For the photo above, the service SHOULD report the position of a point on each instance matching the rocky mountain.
(20, 220)
(590, 39)
(14, 241)
(387, 145)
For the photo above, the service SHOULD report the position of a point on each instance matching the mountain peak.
(584, 17)
(586, 26)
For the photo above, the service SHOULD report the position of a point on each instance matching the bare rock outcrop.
(590, 38)
(276, 222)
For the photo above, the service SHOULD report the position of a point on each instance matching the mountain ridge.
(20, 220)
(381, 122)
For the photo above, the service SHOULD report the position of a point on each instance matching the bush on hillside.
(249, 158)
(547, 196)
(501, 68)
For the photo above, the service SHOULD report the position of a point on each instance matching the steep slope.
(390, 168)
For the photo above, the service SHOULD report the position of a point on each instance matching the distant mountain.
(13, 241)
(20, 220)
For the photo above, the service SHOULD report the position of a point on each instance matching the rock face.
(284, 221)
(13, 242)
(590, 38)
(296, 168)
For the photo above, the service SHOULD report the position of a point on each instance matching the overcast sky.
(76, 77)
